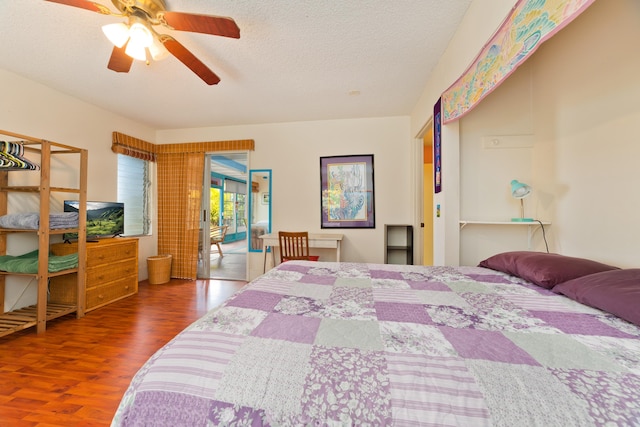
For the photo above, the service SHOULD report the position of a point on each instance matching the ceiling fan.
(137, 39)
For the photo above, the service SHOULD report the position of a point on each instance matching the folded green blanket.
(28, 263)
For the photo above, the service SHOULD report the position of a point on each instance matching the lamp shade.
(519, 189)
(136, 51)
(157, 50)
(118, 34)
(140, 35)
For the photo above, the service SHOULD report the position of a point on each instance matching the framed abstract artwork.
(347, 192)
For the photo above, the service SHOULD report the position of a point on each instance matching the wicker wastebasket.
(159, 267)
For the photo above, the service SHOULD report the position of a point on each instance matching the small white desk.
(316, 240)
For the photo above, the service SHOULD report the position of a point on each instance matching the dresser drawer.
(110, 292)
(64, 248)
(105, 254)
(103, 274)
(111, 272)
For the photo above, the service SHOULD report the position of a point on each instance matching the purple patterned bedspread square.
(342, 344)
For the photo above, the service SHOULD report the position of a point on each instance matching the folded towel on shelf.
(28, 263)
(63, 220)
(31, 220)
(24, 220)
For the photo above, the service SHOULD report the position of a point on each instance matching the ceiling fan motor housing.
(150, 7)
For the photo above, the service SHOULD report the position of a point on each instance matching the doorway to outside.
(223, 228)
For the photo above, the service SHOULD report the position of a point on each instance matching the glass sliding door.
(224, 204)
(204, 248)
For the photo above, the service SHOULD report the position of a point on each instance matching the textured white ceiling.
(295, 59)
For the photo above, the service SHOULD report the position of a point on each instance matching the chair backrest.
(293, 245)
(217, 233)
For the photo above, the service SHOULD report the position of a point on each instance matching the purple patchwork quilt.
(343, 344)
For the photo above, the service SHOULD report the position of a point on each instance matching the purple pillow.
(616, 292)
(543, 269)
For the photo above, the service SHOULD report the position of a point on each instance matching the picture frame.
(265, 198)
(437, 146)
(347, 191)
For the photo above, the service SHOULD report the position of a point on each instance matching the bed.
(342, 344)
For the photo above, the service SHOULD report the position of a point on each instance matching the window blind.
(133, 191)
(232, 186)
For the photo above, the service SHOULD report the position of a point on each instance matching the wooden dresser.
(112, 272)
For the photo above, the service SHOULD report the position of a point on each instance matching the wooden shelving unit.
(39, 314)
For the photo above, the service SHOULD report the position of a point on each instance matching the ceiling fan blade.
(85, 4)
(189, 59)
(205, 24)
(120, 61)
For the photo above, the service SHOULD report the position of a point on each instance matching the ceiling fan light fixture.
(118, 34)
(140, 38)
(136, 51)
(157, 50)
(137, 39)
(140, 35)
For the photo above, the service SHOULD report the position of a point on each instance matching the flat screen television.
(104, 219)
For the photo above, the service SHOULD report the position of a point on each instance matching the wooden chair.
(295, 246)
(217, 234)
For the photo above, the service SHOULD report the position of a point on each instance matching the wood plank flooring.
(77, 371)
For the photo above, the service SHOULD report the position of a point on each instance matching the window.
(234, 206)
(133, 191)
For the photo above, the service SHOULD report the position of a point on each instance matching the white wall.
(586, 91)
(32, 109)
(293, 151)
(486, 171)
(577, 98)
(480, 22)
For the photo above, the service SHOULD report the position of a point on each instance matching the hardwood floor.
(77, 371)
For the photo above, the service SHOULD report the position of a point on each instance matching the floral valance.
(528, 25)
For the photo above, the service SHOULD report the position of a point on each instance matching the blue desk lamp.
(520, 190)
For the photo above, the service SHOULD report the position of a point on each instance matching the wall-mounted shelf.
(532, 226)
(463, 223)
